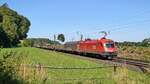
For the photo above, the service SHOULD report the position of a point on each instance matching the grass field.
(35, 56)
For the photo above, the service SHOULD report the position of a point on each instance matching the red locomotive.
(103, 47)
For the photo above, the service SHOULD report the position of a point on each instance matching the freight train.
(103, 47)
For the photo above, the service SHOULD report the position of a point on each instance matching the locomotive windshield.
(110, 45)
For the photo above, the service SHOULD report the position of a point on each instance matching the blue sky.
(127, 20)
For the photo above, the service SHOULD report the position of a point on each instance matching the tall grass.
(122, 76)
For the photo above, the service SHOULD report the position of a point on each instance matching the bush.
(26, 43)
(8, 72)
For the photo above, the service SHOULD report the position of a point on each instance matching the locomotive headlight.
(105, 47)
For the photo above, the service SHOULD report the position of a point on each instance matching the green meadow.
(34, 56)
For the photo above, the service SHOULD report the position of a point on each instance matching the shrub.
(8, 72)
(26, 43)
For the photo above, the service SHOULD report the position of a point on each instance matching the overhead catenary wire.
(127, 24)
(112, 29)
(119, 27)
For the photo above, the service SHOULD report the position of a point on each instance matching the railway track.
(140, 64)
(143, 65)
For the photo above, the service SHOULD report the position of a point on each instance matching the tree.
(15, 26)
(1, 18)
(61, 37)
(4, 40)
(5, 5)
(146, 42)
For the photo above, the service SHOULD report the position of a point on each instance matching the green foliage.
(42, 41)
(134, 52)
(4, 40)
(26, 43)
(144, 43)
(8, 72)
(14, 26)
(61, 37)
(1, 18)
(147, 40)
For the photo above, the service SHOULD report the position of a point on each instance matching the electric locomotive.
(103, 47)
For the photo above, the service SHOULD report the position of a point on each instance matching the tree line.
(42, 41)
(144, 43)
(13, 27)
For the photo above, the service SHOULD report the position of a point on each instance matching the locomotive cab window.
(109, 45)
